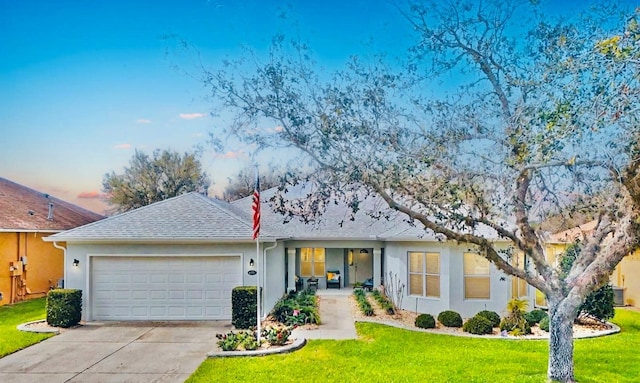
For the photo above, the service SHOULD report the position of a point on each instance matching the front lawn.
(12, 340)
(393, 355)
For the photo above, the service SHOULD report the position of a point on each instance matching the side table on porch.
(312, 284)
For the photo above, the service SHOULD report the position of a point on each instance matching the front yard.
(389, 354)
(12, 340)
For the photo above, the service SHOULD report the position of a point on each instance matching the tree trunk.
(561, 317)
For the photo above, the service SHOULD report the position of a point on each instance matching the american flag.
(256, 208)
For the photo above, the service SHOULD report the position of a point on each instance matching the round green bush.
(539, 314)
(425, 321)
(478, 325)
(544, 324)
(530, 318)
(492, 316)
(450, 318)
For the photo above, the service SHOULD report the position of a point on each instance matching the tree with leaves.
(148, 179)
(545, 121)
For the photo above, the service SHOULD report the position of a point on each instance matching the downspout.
(64, 251)
(264, 268)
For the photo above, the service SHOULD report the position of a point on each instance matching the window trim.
(424, 273)
(475, 276)
(313, 262)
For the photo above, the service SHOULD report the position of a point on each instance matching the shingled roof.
(25, 209)
(189, 217)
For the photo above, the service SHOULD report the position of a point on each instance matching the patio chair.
(333, 278)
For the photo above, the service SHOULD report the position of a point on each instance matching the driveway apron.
(118, 352)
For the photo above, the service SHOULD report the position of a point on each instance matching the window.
(518, 285)
(424, 274)
(311, 262)
(477, 280)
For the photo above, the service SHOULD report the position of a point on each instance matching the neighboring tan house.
(180, 258)
(29, 267)
(624, 279)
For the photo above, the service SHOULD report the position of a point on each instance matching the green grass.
(386, 354)
(12, 340)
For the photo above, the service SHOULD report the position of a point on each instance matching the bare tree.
(243, 184)
(151, 179)
(544, 119)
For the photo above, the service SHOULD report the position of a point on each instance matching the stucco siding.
(78, 278)
(43, 269)
(451, 280)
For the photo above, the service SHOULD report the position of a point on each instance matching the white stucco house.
(180, 258)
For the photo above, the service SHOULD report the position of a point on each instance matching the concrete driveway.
(116, 352)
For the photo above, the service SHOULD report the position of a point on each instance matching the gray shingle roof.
(189, 217)
(335, 222)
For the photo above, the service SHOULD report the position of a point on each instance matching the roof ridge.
(126, 213)
(217, 204)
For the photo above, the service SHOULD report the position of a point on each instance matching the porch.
(309, 265)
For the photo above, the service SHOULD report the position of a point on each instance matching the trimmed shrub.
(478, 325)
(64, 307)
(244, 307)
(534, 317)
(425, 321)
(544, 324)
(599, 304)
(450, 318)
(492, 316)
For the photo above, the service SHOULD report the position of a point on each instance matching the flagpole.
(258, 284)
(256, 236)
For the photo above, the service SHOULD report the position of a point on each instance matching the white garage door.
(163, 288)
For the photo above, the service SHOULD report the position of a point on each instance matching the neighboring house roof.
(186, 218)
(575, 233)
(24, 209)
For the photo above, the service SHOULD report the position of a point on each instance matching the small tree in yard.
(544, 119)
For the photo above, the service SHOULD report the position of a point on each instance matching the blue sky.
(84, 83)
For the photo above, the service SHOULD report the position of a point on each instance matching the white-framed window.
(477, 277)
(519, 287)
(312, 262)
(424, 274)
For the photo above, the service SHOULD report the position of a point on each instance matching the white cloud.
(122, 146)
(231, 154)
(143, 121)
(191, 116)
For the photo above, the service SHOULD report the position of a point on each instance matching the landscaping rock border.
(295, 345)
(38, 326)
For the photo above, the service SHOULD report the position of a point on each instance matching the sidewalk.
(336, 317)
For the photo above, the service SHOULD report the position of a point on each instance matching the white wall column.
(377, 265)
(291, 269)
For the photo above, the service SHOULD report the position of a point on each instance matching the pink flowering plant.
(276, 335)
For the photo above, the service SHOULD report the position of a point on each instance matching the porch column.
(291, 269)
(377, 264)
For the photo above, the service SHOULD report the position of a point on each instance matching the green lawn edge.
(389, 354)
(11, 339)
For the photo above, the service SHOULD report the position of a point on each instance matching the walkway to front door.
(335, 314)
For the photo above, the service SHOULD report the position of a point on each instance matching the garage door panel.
(163, 288)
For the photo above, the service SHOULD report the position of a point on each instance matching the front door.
(360, 265)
